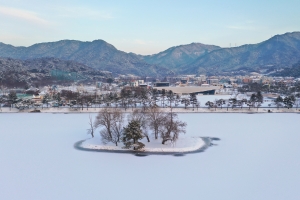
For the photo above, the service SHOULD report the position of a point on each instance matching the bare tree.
(171, 128)
(155, 117)
(112, 121)
(117, 128)
(91, 129)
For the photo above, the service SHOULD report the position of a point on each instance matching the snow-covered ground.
(175, 109)
(256, 158)
(182, 145)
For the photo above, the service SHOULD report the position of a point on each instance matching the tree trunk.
(133, 143)
(147, 138)
(164, 141)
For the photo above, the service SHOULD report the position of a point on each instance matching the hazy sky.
(147, 26)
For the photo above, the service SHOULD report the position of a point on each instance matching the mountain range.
(97, 54)
(280, 51)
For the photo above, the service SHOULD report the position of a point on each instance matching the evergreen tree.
(193, 99)
(289, 101)
(46, 99)
(131, 134)
(170, 96)
(163, 94)
(278, 101)
(12, 97)
(259, 97)
(220, 102)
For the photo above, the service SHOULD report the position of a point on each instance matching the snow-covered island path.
(182, 146)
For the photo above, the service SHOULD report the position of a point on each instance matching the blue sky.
(147, 27)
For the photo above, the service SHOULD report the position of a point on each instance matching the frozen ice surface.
(256, 158)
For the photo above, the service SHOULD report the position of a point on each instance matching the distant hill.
(45, 71)
(175, 57)
(278, 51)
(97, 54)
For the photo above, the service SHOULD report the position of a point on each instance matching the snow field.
(257, 158)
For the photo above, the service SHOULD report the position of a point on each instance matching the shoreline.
(175, 110)
(207, 143)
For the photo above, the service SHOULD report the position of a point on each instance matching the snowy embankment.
(174, 109)
(183, 145)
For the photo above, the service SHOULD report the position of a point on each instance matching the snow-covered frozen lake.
(257, 158)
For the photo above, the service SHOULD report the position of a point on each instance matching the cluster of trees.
(287, 101)
(141, 124)
(255, 100)
(129, 97)
(217, 103)
(273, 88)
(11, 98)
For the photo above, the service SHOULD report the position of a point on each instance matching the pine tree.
(289, 101)
(278, 101)
(259, 97)
(131, 134)
(12, 96)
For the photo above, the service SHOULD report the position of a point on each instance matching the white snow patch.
(186, 144)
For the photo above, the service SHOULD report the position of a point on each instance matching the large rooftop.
(189, 89)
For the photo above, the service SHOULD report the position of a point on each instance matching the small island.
(148, 131)
(182, 146)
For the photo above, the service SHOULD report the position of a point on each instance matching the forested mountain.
(44, 71)
(175, 57)
(97, 54)
(280, 51)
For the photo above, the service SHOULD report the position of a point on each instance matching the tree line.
(128, 97)
(256, 99)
